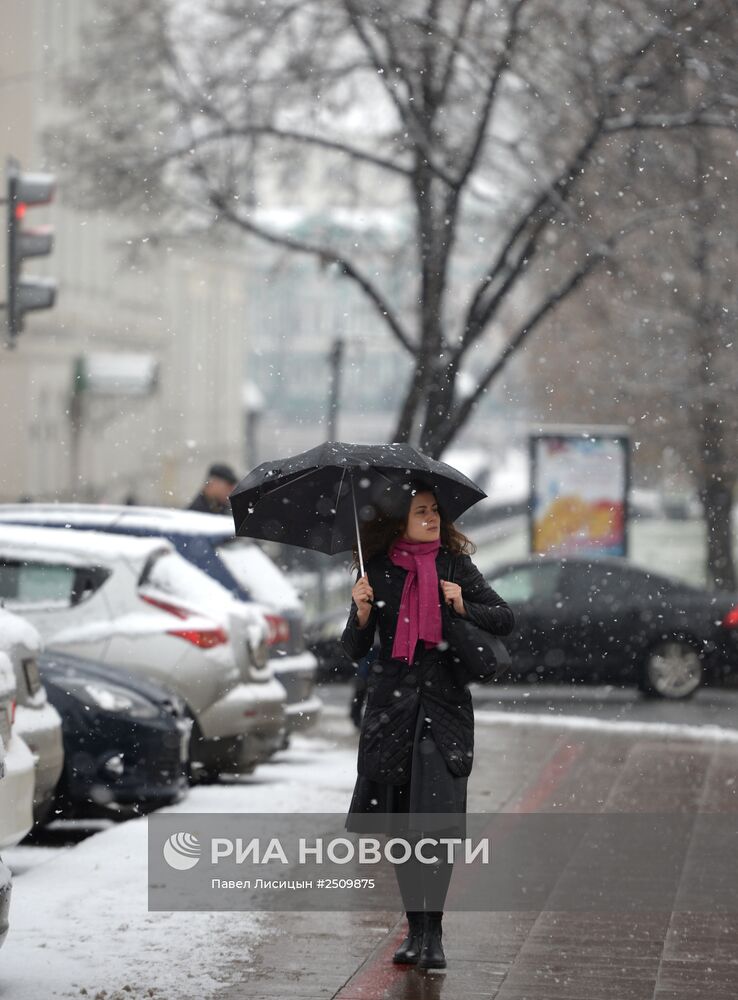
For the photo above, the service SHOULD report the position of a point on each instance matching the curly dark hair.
(378, 534)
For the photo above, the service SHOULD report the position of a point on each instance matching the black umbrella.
(317, 499)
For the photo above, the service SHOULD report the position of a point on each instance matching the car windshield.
(257, 574)
(171, 574)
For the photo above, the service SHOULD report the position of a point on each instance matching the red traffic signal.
(24, 295)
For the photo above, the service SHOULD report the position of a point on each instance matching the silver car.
(137, 604)
(7, 685)
(16, 784)
(207, 541)
(5, 891)
(36, 720)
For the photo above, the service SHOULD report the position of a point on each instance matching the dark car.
(323, 639)
(606, 621)
(125, 740)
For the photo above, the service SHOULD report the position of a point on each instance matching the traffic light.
(26, 294)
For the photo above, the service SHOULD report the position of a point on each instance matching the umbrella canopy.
(318, 499)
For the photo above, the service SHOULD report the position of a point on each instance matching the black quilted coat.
(397, 689)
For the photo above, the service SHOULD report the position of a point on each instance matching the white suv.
(137, 604)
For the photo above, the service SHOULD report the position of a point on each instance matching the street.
(358, 346)
(543, 751)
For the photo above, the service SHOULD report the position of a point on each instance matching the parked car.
(207, 541)
(605, 620)
(6, 887)
(7, 689)
(36, 720)
(323, 638)
(126, 740)
(136, 603)
(16, 785)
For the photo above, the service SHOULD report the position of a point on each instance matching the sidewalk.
(500, 956)
(80, 925)
(542, 955)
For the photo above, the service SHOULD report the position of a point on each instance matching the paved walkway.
(541, 955)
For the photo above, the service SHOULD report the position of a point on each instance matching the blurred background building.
(157, 360)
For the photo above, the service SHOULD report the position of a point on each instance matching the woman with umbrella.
(417, 736)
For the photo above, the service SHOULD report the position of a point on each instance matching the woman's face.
(424, 520)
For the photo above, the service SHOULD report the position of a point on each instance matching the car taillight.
(731, 619)
(205, 638)
(12, 713)
(279, 629)
(173, 609)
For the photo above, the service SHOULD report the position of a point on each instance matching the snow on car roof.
(167, 518)
(247, 562)
(27, 542)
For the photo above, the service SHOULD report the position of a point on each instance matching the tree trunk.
(717, 474)
(433, 249)
(716, 487)
(717, 498)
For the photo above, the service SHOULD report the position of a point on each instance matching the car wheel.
(672, 669)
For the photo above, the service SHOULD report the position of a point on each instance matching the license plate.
(33, 677)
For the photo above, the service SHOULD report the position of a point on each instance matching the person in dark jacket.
(213, 497)
(416, 743)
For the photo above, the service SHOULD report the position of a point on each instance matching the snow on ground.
(312, 776)
(79, 923)
(664, 730)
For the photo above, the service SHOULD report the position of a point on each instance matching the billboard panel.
(579, 491)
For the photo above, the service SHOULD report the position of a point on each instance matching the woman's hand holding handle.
(452, 595)
(363, 596)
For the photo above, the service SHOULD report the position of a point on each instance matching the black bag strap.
(451, 569)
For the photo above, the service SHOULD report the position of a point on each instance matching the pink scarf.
(420, 606)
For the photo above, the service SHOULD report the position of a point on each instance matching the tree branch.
(407, 115)
(327, 256)
(685, 119)
(502, 64)
(458, 37)
(248, 131)
(507, 267)
(461, 413)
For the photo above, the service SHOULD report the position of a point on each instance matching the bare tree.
(474, 121)
(656, 347)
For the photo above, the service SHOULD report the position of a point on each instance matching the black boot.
(431, 953)
(409, 950)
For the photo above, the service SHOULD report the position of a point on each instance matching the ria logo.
(182, 851)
